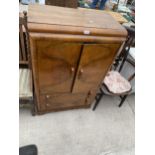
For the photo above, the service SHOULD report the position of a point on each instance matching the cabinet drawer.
(60, 101)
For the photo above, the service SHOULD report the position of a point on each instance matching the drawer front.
(60, 101)
(90, 97)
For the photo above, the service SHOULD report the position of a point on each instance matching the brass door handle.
(80, 73)
(72, 70)
(47, 96)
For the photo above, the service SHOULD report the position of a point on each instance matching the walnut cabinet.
(71, 52)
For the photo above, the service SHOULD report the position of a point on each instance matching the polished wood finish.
(70, 56)
(93, 65)
(77, 38)
(57, 65)
(54, 101)
(71, 17)
(82, 22)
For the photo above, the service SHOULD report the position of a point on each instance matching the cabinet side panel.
(34, 62)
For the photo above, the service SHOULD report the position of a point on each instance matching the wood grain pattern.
(76, 38)
(70, 55)
(52, 62)
(57, 65)
(93, 66)
(54, 101)
(35, 72)
(51, 15)
(62, 29)
(73, 17)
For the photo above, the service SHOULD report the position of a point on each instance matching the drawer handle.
(47, 104)
(47, 96)
(80, 73)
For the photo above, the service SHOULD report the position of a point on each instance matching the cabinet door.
(94, 63)
(57, 62)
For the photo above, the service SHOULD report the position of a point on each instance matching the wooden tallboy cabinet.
(71, 52)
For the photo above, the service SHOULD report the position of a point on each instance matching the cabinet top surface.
(85, 18)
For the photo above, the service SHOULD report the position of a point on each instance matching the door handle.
(80, 73)
(72, 70)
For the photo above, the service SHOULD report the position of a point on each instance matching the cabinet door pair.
(72, 67)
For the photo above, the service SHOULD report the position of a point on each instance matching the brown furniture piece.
(71, 52)
(63, 3)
